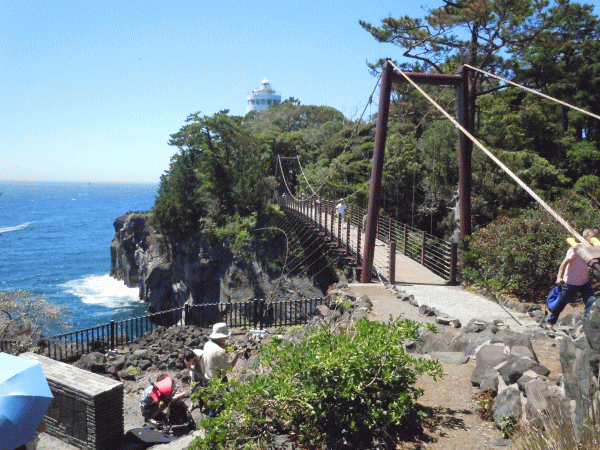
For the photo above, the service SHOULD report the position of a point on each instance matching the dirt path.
(452, 421)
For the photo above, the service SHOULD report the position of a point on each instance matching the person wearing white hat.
(215, 359)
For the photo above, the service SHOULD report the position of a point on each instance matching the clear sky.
(91, 90)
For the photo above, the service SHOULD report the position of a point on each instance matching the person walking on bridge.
(573, 277)
(341, 210)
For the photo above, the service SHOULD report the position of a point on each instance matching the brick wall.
(87, 410)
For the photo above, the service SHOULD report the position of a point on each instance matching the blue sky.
(91, 90)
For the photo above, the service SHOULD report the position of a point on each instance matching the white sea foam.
(103, 290)
(17, 228)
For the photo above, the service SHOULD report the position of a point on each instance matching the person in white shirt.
(341, 210)
(215, 359)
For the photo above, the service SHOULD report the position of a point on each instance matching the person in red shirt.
(573, 277)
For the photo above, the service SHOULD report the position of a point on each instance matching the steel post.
(377, 171)
(464, 155)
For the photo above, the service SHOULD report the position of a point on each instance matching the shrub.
(520, 255)
(336, 386)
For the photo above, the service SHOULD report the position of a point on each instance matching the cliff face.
(170, 274)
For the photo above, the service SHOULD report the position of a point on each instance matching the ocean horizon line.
(83, 183)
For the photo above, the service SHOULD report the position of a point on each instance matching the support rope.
(533, 91)
(553, 213)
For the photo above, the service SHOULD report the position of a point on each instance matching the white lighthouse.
(262, 98)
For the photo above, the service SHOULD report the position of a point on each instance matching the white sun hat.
(220, 331)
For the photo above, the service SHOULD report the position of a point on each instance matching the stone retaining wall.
(87, 410)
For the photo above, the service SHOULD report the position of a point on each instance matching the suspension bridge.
(403, 254)
(395, 252)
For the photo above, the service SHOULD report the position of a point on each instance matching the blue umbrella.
(24, 399)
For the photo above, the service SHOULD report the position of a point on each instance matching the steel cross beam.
(388, 76)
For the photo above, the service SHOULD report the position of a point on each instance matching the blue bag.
(553, 297)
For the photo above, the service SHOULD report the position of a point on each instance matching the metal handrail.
(434, 253)
(109, 336)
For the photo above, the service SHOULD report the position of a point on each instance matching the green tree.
(220, 173)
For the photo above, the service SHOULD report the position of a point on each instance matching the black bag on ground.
(146, 437)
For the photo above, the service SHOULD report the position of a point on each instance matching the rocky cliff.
(170, 274)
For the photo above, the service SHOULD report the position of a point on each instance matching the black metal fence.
(256, 313)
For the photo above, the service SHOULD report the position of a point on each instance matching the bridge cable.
(358, 123)
(553, 213)
(533, 91)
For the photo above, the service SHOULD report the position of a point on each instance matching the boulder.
(514, 368)
(93, 362)
(512, 339)
(448, 321)
(490, 381)
(522, 351)
(507, 406)
(488, 357)
(434, 342)
(543, 398)
(469, 342)
(479, 325)
(591, 327)
(427, 311)
(457, 358)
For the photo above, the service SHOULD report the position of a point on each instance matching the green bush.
(520, 255)
(336, 386)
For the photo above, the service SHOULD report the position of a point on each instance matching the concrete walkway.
(452, 301)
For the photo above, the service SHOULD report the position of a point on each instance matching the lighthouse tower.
(262, 98)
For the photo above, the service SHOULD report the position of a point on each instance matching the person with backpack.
(573, 277)
(158, 396)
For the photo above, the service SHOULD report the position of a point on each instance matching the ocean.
(55, 241)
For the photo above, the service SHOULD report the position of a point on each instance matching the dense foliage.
(335, 386)
(520, 255)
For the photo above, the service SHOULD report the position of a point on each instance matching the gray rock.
(543, 398)
(512, 339)
(516, 366)
(521, 351)
(425, 310)
(448, 321)
(358, 314)
(488, 357)
(434, 342)
(522, 382)
(412, 301)
(469, 342)
(93, 362)
(591, 327)
(490, 381)
(457, 358)
(507, 405)
(126, 375)
(476, 326)
(363, 302)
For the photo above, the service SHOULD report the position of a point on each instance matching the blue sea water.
(55, 241)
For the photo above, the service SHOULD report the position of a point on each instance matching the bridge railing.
(437, 255)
